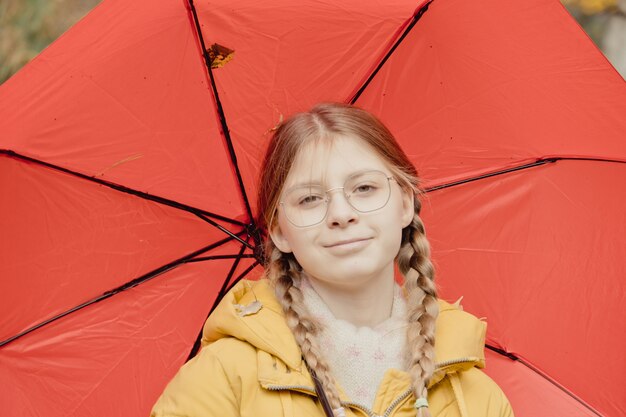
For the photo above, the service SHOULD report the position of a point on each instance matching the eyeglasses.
(308, 205)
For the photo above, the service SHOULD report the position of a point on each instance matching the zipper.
(308, 390)
(360, 407)
(389, 409)
(397, 401)
(300, 388)
(453, 361)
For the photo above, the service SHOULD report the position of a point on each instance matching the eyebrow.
(319, 184)
(303, 185)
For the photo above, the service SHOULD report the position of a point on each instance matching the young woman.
(328, 331)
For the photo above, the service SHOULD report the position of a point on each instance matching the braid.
(422, 308)
(285, 274)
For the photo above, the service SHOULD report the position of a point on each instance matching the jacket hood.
(264, 329)
(250, 312)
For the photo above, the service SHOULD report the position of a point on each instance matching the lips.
(345, 242)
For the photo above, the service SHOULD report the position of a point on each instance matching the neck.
(367, 304)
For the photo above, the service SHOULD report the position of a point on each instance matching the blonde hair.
(327, 121)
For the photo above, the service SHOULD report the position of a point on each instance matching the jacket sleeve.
(480, 394)
(497, 404)
(502, 405)
(201, 388)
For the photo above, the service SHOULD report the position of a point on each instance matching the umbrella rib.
(538, 162)
(545, 376)
(228, 232)
(242, 275)
(212, 258)
(130, 284)
(127, 190)
(236, 280)
(220, 111)
(414, 19)
(222, 292)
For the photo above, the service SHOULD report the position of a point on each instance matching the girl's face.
(347, 248)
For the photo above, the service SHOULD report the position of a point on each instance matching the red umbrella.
(127, 170)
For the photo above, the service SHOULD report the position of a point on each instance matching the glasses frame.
(327, 198)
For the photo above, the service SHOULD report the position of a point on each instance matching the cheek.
(393, 238)
(390, 227)
(396, 215)
(302, 244)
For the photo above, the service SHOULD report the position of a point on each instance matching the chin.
(356, 274)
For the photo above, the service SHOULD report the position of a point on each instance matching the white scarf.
(359, 356)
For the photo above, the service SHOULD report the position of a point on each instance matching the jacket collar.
(459, 336)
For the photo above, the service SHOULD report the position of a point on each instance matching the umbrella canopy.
(129, 151)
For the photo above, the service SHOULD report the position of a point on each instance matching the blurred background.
(28, 26)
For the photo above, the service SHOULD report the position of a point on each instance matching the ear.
(408, 207)
(279, 239)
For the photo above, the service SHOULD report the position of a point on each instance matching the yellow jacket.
(250, 365)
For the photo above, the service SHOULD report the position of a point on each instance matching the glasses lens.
(305, 206)
(368, 191)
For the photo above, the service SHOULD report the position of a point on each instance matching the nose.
(340, 212)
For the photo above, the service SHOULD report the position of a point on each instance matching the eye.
(309, 200)
(364, 188)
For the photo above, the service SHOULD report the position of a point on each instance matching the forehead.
(331, 161)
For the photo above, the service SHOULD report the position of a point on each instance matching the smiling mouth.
(347, 242)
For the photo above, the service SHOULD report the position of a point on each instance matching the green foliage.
(590, 7)
(28, 26)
